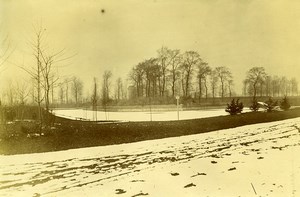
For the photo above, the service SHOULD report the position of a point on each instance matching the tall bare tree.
(176, 60)
(76, 88)
(224, 75)
(268, 85)
(294, 87)
(167, 58)
(94, 99)
(275, 85)
(136, 76)
(203, 71)
(5, 49)
(151, 75)
(22, 91)
(61, 92)
(10, 93)
(67, 89)
(254, 76)
(49, 76)
(213, 82)
(36, 71)
(230, 85)
(190, 60)
(106, 88)
(119, 89)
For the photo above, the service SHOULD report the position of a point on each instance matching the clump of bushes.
(254, 106)
(285, 104)
(235, 107)
(271, 104)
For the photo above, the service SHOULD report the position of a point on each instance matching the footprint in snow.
(230, 169)
(140, 194)
(138, 181)
(199, 174)
(120, 191)
(190, 185)
(175, 174)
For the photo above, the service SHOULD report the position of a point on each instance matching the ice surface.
(261, 159)
(140, 116)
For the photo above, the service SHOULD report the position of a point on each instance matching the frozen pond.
(140, 116)
(255, 160)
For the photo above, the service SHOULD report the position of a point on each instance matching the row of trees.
(173, 73)
(150, 78)
(167, 75)
(258, 82)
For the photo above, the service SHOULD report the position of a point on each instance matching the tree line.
(172, 73)
(169, 74)
(259, 83)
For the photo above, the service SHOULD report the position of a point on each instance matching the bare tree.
(136, 76)
(254, 76)
(66, 84)
(94, 99)
(203, 71)
(49, 76)
(245, 87)
(213, 82)
(106, 85)
(176, 60)
(10, 93)
(22, 92)
(275, 85)
(283, 86)
(268, 85)
(36, 71)
(119, 89)
(61, 92)
(167, 58)
(151, 76)
(224, 75)
(5, 50)
(230, 84)
(294, 87)
(76, 87)
(190, 60)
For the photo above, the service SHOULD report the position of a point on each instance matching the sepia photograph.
(158, 98)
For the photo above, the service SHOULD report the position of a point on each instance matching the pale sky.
(238, 34)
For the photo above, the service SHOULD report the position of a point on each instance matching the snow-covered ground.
(140, 116)
(254, 160)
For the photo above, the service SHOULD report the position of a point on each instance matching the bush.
(271, 104)
(285, 104)
(254, 106)
(235, 107)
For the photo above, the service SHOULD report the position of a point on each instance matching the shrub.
(254, 106)
(285, 104)
(235, 107)
(271, 104)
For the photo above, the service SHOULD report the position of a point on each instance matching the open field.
(259, 159)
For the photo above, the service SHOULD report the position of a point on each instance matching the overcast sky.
(238, 34)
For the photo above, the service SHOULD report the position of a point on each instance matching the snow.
(261, 159)
(140, 116)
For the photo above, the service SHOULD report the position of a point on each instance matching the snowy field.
(140, 116)
(254, 160)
